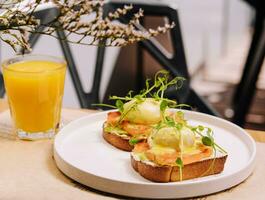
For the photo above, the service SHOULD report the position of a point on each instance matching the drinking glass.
(34, 85)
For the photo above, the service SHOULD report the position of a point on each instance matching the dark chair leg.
(250, 57)
(194, 100)
(139, 68)
(247, 87)
(199, 103)
(72, 68)
(85, 99)
(2, 88)
(33, 38)
(93, 96)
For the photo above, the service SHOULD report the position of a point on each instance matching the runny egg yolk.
(166, 137)
(146, 112)
(170, 137)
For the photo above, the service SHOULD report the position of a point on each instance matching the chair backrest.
(176, 63)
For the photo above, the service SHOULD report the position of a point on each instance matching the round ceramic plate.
(82, 154)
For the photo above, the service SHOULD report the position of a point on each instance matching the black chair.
(246, 88)
(175, 64)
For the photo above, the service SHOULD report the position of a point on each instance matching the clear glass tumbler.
(35, 85)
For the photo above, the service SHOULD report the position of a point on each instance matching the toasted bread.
(117, 141)
(120, 140)
(156, 173)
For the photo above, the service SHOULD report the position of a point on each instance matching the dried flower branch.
(18, 20)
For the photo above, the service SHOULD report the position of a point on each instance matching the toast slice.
(118, 141)
(165, 173)
(119, 135)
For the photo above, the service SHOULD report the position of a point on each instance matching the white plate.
(82, 154)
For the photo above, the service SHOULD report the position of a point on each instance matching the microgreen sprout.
(161, 83)
(133, 106)
(156, 90)
(133, 141)
(163, 105)
(169, 121)
(119, 105)
(207, 139)
(179, 162)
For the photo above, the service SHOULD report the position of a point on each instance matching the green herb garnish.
(163, 105)
(119, 105)
(133, 141)
(169, 121)
(179, 162)
(156, 90)
(207, 141)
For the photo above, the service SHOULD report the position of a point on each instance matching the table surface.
(28, 171)
(259, 136)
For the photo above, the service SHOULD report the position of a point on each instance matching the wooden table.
(259, 136)
(28, 171)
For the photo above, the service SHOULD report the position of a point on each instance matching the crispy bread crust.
(118, 142)
(171, 173)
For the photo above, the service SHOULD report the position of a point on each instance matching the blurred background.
(216, 37)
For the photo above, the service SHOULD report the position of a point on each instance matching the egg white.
(146, 112)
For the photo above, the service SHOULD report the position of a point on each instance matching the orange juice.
(35, 90)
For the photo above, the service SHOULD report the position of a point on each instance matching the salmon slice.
(113, 117)
(187, 159)
(136, 129)
(141, 147)
(170, 158)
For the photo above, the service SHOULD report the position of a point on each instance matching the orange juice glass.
(34, 86)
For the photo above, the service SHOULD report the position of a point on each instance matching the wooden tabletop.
(28, 171)
(3, 105)
(259, 136)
